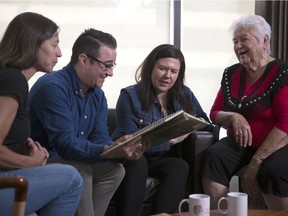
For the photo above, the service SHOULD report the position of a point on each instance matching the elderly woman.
(252, 104)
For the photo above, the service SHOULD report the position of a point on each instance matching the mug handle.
(219, 208)
(180, 205)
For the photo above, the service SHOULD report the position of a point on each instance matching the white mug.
(199, 205)
(237, 204)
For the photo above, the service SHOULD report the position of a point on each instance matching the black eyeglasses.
(107, 65)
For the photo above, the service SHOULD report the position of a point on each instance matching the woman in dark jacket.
(159, 91)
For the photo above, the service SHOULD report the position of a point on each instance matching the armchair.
(192, 149)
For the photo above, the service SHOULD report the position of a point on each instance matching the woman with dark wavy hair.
(30, 44)
(159, 91)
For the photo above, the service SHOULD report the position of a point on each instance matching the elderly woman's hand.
(242, 130)
(248, 179)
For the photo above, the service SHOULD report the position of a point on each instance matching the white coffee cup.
(237, 204)
(199, 205)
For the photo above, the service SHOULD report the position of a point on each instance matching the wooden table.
(251, 212)
(256, 212)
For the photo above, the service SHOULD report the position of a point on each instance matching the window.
(139, 26)
(207, 44)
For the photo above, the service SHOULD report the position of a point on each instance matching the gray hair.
(258, 26)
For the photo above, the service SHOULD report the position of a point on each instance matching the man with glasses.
(68, 112)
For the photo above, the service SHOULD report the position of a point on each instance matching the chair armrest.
(20, 185)
(192, 150)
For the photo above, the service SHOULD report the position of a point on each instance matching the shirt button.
(85, 116)
(141, 120)
(82, 132)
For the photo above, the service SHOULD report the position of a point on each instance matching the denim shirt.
(131, 117)
(66, 123)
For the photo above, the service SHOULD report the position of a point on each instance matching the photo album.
(165, 129)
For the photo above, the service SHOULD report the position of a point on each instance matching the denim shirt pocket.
(142, 120)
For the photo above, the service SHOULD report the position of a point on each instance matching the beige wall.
(139, 26)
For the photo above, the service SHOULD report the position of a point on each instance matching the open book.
(165, 129)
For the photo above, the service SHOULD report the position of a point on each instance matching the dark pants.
(225, 158)
(273, 173)
(172, 173)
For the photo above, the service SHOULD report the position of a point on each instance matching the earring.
(264, 55)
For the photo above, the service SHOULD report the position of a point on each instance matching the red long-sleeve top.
(264, 104)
